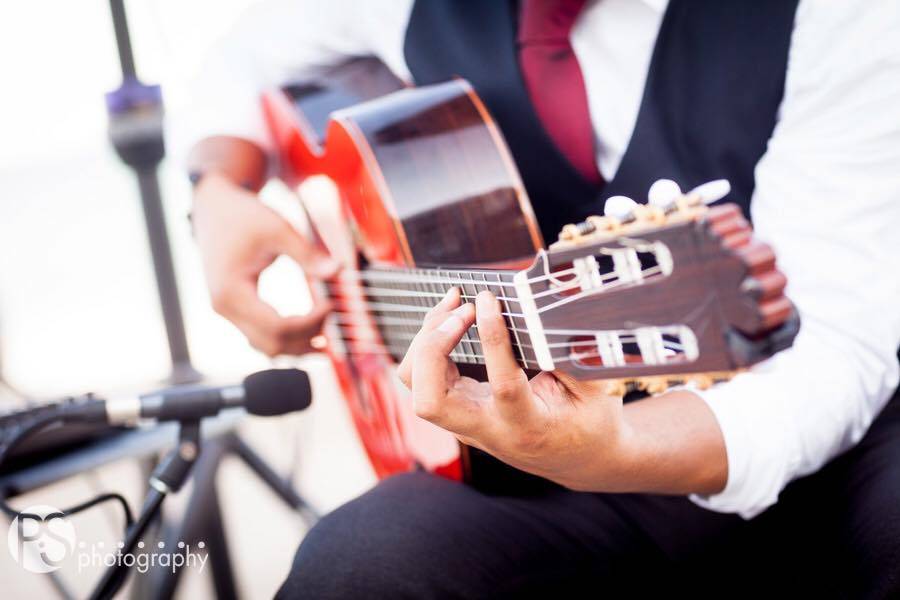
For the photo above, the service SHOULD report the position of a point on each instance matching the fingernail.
(451, 324)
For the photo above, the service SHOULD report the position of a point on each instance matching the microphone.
(266, 394)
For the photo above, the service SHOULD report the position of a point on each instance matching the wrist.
(239, 161)
(610, 461)
(624, 464)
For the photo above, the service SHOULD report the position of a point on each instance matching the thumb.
(444, 338)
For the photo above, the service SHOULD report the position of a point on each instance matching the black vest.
(710, 103)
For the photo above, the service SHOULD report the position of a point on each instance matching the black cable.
(32, 428)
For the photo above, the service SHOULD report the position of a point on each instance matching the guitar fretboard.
(400, 298)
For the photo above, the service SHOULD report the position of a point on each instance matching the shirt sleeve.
(275, 42)
(828, 200)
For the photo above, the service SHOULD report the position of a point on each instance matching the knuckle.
(429, 348)
(267, 347)
(426, 410)
(432, 315)
(220, 298)
(403, 372)
(282, 333)
(492, 336)
(506, 388)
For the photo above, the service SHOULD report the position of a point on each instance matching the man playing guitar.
(791, 470)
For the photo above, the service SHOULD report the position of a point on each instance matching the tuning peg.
(711, 191)
(620, 207)
(663, 193)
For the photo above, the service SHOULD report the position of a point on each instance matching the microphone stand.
(203, 517)
(135, 128)
(169, 476)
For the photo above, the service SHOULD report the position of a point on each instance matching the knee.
(329, 563)
(874, 536)
(366, 548)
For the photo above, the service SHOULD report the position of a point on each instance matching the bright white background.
(78, 308)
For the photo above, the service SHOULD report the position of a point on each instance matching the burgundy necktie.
(554, 79)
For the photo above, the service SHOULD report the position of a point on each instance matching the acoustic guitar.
(645, 296)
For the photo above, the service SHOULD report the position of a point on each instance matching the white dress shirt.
(827, 196)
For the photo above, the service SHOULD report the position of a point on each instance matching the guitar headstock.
(670, 288)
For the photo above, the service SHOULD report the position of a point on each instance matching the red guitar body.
(423, 178)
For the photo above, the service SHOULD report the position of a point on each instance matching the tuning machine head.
(621, 215)
(666, 195)
(665, 202)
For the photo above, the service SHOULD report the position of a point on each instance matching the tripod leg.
(195, 527)
(219, 555)
(203, 518)
(276, 483)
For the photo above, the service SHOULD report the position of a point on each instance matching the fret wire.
(392, 285)
(467, 340)
(518, 343)
(420, 301)
(476, 291)
(417, 302)
(409, 328)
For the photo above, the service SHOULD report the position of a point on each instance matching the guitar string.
(394, 307)
(396, 342)
(624, 339)
(418, 293)
(351, 336)
(396, 275)
(353, 318)
(335, 289)
(390, 278)
(392, 350)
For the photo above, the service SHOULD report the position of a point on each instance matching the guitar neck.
(399, 299)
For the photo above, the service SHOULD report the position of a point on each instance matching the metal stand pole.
(168, 477)
(202, 520)
(135, 129)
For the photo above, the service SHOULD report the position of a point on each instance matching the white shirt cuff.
(756, 450)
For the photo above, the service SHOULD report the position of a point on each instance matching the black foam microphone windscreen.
(276, 392)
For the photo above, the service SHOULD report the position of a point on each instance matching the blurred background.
(78, 304)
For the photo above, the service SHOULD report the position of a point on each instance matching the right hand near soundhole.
(239, 237)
